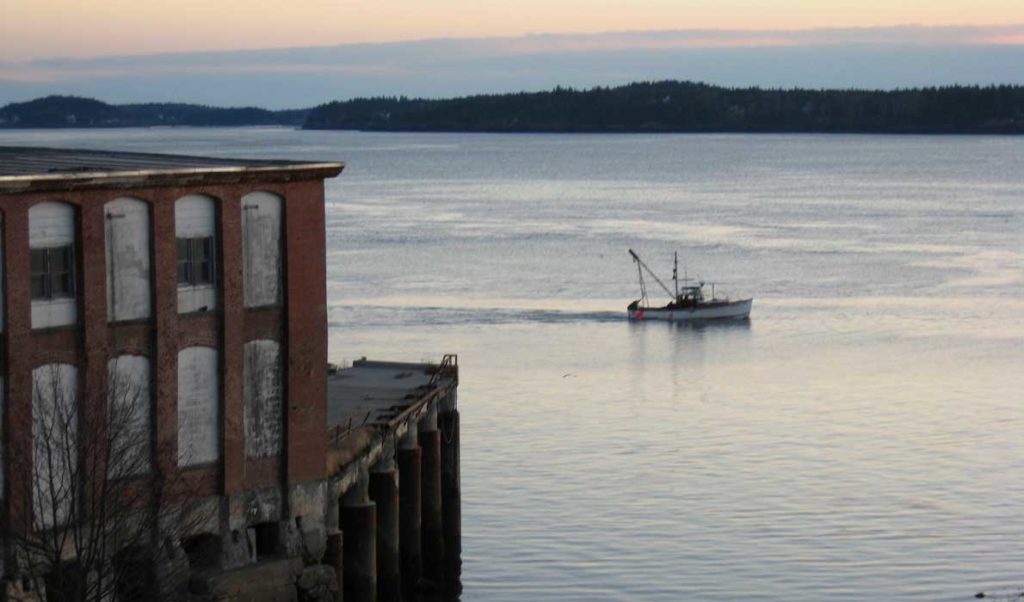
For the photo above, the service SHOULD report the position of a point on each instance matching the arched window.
(54, 443)
(262, 395)
(128, 259)
(129, 398)
(198, 406)
(261, 248)
(195, 225)
(51, 238)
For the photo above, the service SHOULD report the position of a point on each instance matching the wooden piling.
(384, 491)
(451, 499)
(359, 526)
(433, 531)
(409, 516)
(334, 557)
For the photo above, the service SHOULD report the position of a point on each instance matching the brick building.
(202, 278)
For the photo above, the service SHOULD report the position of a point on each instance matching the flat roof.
(36, 169)
(371, 392)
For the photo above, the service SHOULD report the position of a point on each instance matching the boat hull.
(733, 310)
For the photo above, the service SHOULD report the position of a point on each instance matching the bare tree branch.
(101, 521)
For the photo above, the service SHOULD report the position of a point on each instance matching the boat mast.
(641, 264)
(675, 272)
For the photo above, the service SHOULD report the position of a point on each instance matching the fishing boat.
(688, 303)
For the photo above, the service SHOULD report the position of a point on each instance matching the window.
(128, 416)
(195, 261)
(53, 272)
(195, 228)
(199, 406)
(55, 443)
(261, 394)
(129, 295)
(261, 249)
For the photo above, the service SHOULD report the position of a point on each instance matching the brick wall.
(299, 325)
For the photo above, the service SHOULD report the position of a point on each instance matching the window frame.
(47, 277)
(200, 257)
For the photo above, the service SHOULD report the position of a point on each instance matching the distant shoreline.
(666, 107)
(1001, 134)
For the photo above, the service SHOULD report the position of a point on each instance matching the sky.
(303, 52)
(33, 29)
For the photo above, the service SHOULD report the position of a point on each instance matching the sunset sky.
(34, 29)
(303, 52)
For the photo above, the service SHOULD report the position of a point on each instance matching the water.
(859, 439)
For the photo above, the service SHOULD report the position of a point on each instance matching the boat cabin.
(689, 296)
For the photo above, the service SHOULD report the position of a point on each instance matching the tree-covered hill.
(74, 111)
(666, 106)
(674, 106)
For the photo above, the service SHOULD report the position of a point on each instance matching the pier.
(393, 472)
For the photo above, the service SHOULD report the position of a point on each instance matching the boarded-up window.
(54, 443)
(261, 248)
(262, 393)
(128, 259)
(195, 224)
(198, 406)
(128, 415)
(51, 233)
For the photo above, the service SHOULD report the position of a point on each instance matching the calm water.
(862, 438)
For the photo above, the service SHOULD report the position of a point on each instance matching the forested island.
(78, 112)
(674, 106)
(665, 106)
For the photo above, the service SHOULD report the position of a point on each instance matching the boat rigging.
(687, 303)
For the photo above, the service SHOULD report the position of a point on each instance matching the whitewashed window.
(198, 406)
(128, 415)
(262, 395)
(128, 259)
(195, 225)
(53, 266)
(261, 248)
(54, 444)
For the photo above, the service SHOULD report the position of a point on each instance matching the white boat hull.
(733, 310)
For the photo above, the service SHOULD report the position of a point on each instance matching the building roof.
(38, 169)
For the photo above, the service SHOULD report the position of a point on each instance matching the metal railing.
(449, 366)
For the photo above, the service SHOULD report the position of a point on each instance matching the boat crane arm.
(640, 262)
